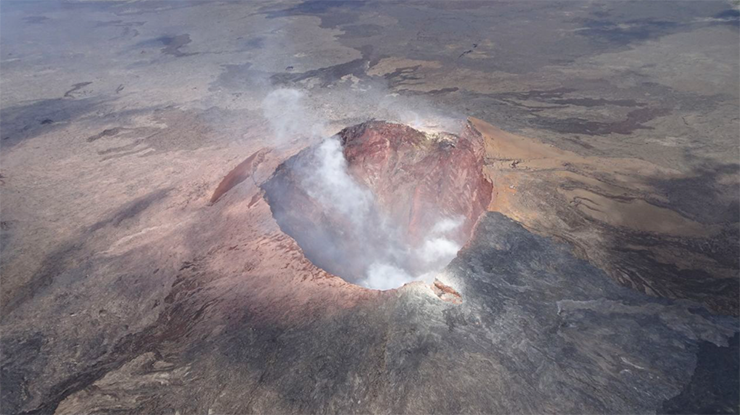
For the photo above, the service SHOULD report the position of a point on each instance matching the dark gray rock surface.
(538, 331)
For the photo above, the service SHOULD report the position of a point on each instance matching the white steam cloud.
(332, 185)
(436, 251)
(289, 117)
(392, 262)
(382, 276)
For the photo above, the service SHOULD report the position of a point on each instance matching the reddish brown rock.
(420, 177)
(446, 293)
(238, 174)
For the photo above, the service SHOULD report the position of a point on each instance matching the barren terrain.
(144, 269)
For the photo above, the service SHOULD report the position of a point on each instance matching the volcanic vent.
(382, 204)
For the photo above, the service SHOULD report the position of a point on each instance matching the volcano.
(201, 211)
(381, 204)
(289, 289)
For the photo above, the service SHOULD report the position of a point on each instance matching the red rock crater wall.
(418, 178)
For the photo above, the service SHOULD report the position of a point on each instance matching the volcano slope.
(236, 318)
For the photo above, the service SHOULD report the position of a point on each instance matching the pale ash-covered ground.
(124, 290)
